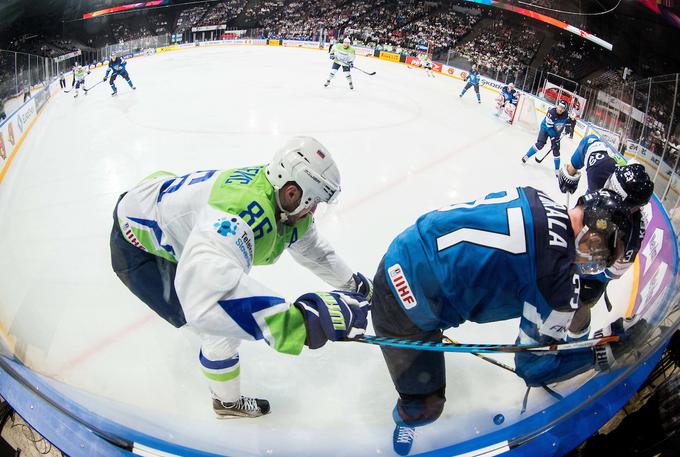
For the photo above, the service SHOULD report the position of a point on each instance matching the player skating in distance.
(553, 125)
(506, 102)
(342, 55)
(472, 80)
(512, 254)
(184, 245)
(117, 68)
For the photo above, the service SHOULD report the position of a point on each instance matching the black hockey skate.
(244, 407)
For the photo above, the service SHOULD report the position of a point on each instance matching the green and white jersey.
(217, 224)
(80, 73)
(343, 56)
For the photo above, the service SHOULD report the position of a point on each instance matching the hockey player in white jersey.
(184, 245)
(79, 73)
(343, 56)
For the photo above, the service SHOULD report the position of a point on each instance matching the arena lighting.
(547, 19)
(130, 6)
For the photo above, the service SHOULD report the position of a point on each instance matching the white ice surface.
(405, 145)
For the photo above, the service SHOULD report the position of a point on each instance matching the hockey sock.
(479, 99)
(557, 164)
(129, 81)
(223, 376)
(532, 151)
(332, 74)
(349, 79)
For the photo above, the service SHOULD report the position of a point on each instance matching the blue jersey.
(509, 95)
(116, 67)
(554, 124)
(508, 255)
(600, 163)
(473, 78)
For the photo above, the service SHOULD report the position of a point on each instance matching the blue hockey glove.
(567, 183)
(351, 64)
(364, 286)
(333, 316)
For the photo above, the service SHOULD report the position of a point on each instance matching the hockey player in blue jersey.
(515, 253)
(553, 125)
(472, 80)
(607, 170)
(507, 102)
(117, 68)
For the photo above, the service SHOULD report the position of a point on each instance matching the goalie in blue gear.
(512, 254)
(117, 68)
(554, 123)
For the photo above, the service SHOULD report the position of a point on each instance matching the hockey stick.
(364, 71)
(552, 393)
(92, 87)
(481, 348)
(544, 156)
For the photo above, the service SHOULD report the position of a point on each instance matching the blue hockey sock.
(557, 163)
(129, 81)
(532, 151)
(479, 99)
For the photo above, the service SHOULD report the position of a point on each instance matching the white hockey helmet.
(347, 41)
(307, 163)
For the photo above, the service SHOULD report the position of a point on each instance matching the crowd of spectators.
(442, 30)
(568, 54)
(188, 18)
(222, 12)
(502, 47)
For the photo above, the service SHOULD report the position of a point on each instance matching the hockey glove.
(106, 77)
(632, 333)
(332, 56)
(363, 286)
(333, 316)
(351, 64)
(567, 183)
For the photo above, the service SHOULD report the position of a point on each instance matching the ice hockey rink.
(405, 144)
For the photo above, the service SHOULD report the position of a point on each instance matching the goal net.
(525, 114)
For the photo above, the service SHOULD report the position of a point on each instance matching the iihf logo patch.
(226, 227)
(402, 287)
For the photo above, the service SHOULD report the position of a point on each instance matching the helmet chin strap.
(285, 215)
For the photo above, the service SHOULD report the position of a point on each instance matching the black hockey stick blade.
(369, 73)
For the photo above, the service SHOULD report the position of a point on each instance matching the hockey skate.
(244, 407)
(326, 84)
(402, 439)
(351, 86)
(524, 159)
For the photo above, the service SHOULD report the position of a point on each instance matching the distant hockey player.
(472, 80)
(184, 245)
(571, 126)
(507, 102)
(512, 254)
(117, 68)
(27, 92)
(3, 116)
(552, 127)
(62, 81)
(79, 74)
(427, 65)
(342, 55)
(605, 170)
